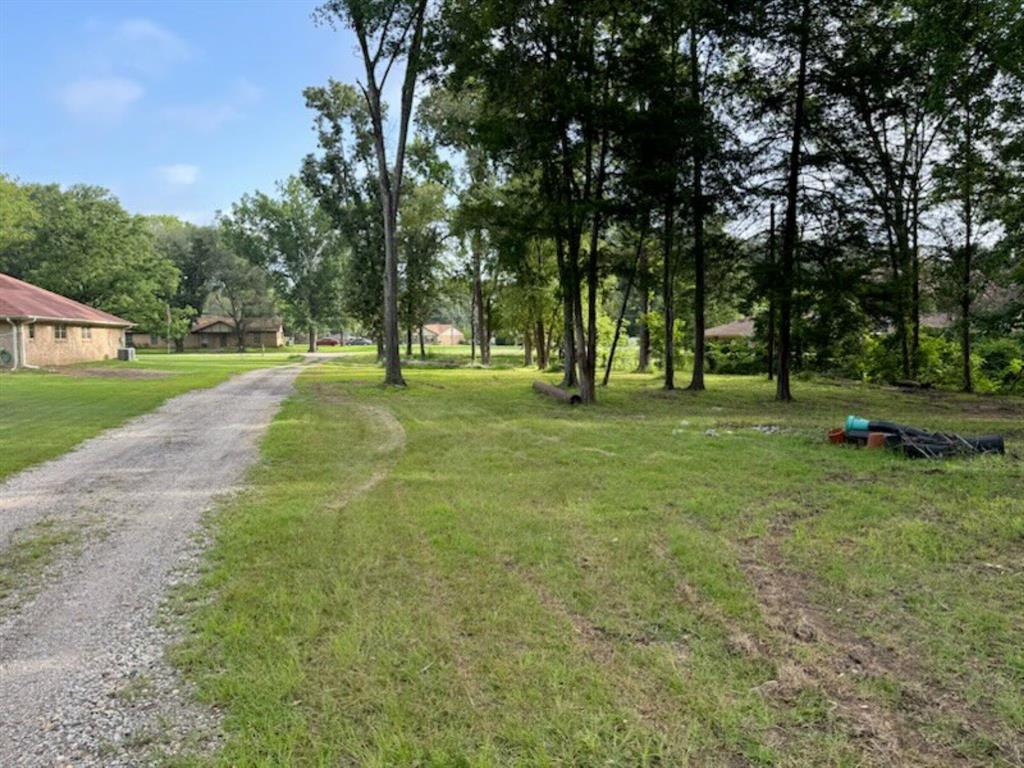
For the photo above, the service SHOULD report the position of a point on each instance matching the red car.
(327, 342)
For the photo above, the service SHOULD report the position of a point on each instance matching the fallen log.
(910, 384)
(558, 394)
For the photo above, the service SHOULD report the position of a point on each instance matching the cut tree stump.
(558, 394)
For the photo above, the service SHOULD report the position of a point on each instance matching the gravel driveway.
(83, 680)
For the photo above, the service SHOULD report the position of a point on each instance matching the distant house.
(440, 333)
(39, 327)
(218, 332)
(738, 329)
(938, 321)
(744, 328)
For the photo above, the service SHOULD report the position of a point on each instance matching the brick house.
(442, 333)
(218, 332)
(41, 328)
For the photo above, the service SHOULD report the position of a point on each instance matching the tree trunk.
(625, 305)
(965, 275)
(487, 327)
(782, 390)
(592, 264)
(585, 383)
(915, 285)
(644, 351)
(312, 338)
(697, 378)
(423, 346)
(551, 339)
(570, 297)
(240, 334)
(667, 295)
(389, 178)
(472, 325)
(899, 286)
(542, 349)
(527, 348)
(408, 341)
(392, 350)
(771, 294)
(478, 297)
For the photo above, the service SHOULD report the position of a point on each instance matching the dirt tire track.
(390, 429)
(815, 651)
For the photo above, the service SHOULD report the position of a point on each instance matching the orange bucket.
(876, 439)
(837, 435)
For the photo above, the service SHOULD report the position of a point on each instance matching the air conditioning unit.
(126, 353)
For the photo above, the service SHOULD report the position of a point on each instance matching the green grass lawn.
(44, 414)
(466, 574)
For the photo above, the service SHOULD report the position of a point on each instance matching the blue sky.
(177, 107)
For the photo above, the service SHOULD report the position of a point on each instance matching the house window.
(154, 339)
(86, 332)
(32, 331)
(60, 332)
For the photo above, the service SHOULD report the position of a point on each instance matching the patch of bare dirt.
(810, 649)
(111, 373)
(997, 406)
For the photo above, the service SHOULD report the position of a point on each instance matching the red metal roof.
(19, 299)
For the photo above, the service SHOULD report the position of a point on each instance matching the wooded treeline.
(601, 180)
(269, 254)
(622, 159)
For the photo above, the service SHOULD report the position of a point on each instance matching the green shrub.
(1002, 363)
(737, 356)
(938, 360)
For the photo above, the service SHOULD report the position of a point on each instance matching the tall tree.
(344, 180)
(545, 71)
(387, 32)
(423, 234)
(789, 225)
(240, 290)
(82, 244)
(292, 237)
(18, 215)
(188, 248)
(980, 86)
(876, 120)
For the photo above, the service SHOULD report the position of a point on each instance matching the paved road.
(81, 662)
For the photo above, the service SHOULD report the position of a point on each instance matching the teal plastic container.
(856, 422)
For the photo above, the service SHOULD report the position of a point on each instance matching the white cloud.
(144, 45)
(210, 116)
(202, 118)
(102, 99)
(246, 92)
(178, 174)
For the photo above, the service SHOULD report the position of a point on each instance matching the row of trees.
(566, 173)
(633, 151)
(269, 253)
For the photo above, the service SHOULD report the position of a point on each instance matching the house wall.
(9, 341)
(148, 341)
(451, 338)
(204, 340)
(211, 338)
(46, 349)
